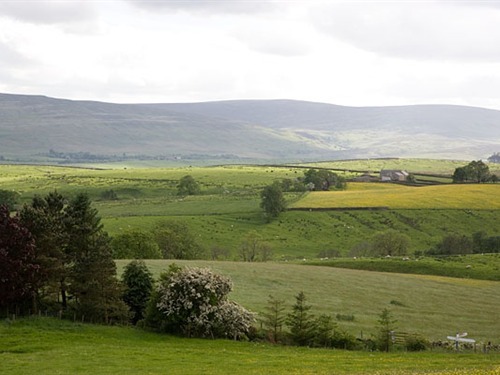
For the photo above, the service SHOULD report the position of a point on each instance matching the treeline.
(86, 156)
(458, 244)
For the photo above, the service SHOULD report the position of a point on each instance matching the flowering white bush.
(194, 302)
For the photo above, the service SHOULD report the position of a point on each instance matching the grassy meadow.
(229, 204)
(49, 346)
(430, 305)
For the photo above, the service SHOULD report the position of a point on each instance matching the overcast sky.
(342, 52)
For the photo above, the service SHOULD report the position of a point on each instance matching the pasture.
(228, 206)
(430, 305)
(48, 346)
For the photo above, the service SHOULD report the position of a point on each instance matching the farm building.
(393, 175)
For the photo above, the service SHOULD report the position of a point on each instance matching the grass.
(480, 266)
(416, 166)
(433, 306)
(474, 197)
(228, 207)
(48, 346)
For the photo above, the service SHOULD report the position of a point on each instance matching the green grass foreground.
(50, 346)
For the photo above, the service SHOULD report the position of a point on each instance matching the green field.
(228, 207)
(431, 305)
(48, 346)
(226, 210)
(477, 266)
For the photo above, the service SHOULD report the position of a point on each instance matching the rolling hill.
(266, 130)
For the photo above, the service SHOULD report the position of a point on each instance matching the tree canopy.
(18, 268)
(188, 186)
(322, 179)
(74, 256)
(176, 241)
(475, 171)
(272, 200)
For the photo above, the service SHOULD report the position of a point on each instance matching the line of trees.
(477, 243)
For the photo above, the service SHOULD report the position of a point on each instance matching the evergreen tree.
(386, 330)
(44, 218)
(94, 286)
(274, 318)
(138, 287)
(301, 322)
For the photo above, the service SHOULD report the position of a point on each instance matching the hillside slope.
(283, 130)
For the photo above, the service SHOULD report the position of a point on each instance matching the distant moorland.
(42, 129)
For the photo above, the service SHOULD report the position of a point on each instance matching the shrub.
(194, 303)
(345, 317)
(416, 343)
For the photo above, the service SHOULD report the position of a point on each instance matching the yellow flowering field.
(393, 196)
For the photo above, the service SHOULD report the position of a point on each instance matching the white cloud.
(47, 12)
(414, 30)
(352, 53)
(207, 7)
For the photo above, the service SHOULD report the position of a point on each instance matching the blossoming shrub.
(193, 302)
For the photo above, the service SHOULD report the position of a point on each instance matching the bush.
(194, 303)
(416, 343)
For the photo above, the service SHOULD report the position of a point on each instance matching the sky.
(355, 53)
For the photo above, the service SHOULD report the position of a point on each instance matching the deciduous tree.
(18, 270)
(391, 243)
(188, 186)
(254, 248)
(272, 200)
(176, 241)
(475, 171)
(135, 244)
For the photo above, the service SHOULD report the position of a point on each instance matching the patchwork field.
(227, 209)
(229, 204)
